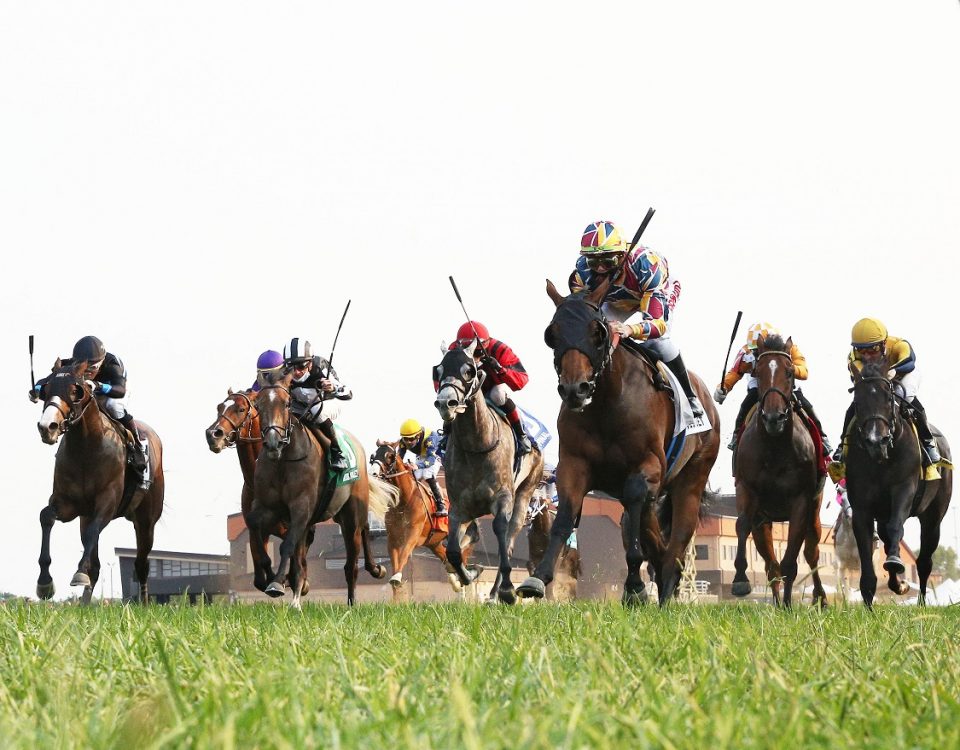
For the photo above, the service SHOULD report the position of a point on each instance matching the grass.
(547, 676)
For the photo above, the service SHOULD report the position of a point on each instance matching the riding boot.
(337, 460)
(923, 430)
(510, 409)
(437, 497)
(847, 418)
(137, 451)
(679, 369)
(808, 410)
(751, 398)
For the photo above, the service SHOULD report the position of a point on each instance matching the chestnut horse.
(885, 483)
(89, 478)
(289, 484)
(238, 425)
(408, 521)
(778, 478)
(614, 427)
(479, 467)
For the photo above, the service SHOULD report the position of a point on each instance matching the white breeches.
(662, 346)
(303, 396)
(499, 394)
(115, 407)
(428, 473)
(909, 385)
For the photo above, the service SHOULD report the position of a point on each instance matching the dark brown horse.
(778, 478)
(289, 484)
(615, 426)
(479, 467)
(408, 521)
(89, 478)
(885, 483)
(541, 517)
(238, 425)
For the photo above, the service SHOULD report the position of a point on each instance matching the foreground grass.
(585, 675)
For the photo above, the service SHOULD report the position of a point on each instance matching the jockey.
(870, 343)
(106, 376)
(269, 365)
(504, 375)
(640, 298)
(314, 383)
(744, 365)
(423, 444)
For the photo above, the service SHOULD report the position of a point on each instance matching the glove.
(34, 394)
(719, 395)
(892, 374)
(92, 385)
(491, 363)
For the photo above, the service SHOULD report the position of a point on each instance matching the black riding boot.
(679, 369)
(847, 418)
(808, 409)
(923, 430)
(137, 453)
(751, 398)
(437, 497)
(337, 460)
(510, 409)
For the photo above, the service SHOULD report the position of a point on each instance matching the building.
(194, 575)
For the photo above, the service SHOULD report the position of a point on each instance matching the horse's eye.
(468, 372)
(77, 393)
(438, 373)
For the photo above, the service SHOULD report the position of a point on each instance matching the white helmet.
(298, 350)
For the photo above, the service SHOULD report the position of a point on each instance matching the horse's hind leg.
(373, 568)
(863, 532)
(352, 539)
(141, 566)
(94, 574)
(45, 587)
(929, 541)
(741, 584)
(811, 553)
(788, 566)
(637, 516)
(763, 541)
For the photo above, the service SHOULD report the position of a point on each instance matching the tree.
(945, 562)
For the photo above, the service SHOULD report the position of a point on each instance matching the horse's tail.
(383, 496)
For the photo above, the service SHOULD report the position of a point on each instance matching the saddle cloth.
(684, 421)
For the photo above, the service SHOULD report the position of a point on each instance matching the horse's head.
(459, 379)
(276, 422)
(774, 373)
(236, 418)
(68, 396)
(580, 339)
(875, 404)
(385, 457)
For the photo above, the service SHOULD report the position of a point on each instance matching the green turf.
(452, 676)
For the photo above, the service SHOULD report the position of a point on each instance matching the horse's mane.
(874, 370)
(774, 343)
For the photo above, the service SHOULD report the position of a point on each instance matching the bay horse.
(409, 521)
(89, 478)
(614, 427)
(479, 466)
(564, 586)
(289, 484)
(238, 425)
(778, 478)
(885, 482)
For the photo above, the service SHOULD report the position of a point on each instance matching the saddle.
(133, 472)
(653, 363)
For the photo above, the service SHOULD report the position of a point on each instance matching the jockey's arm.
(112, 377)
(742, 365)
(903, 358)
(800, 370)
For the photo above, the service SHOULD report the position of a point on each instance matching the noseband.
(286, 432)
(787, 399)
(893, 423)
(68, 410)
(464, 393)
(235, 436)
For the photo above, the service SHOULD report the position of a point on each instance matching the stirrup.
(933, 453)
(732, 445)
(695, 406)
(338, 461)
(441, 513)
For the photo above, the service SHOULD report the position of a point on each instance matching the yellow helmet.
(757, 330)
(867, 332)
(410, 428)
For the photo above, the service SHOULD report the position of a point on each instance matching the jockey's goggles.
(869, 348)
(410, 439)
(603, 261)
(301, 365)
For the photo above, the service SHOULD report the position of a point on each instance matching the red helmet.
(469, 331)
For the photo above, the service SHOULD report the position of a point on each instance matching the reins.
(763, 397)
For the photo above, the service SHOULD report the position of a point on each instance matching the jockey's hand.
(492, 363)
(892, 374)
(719, 395)
(34, 395)
(409, 466)
(92, 385)
(327, 386)
(622, 329)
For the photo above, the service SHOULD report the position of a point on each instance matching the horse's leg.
(763, 541)
(636, 517)
(573, 476)
(259, 554)
(352, 541)
(440, 551)
(685, 496)
(501, 525)
(89, 534)
(457, 523)
(94, 571)
(143, 526)
(929, 541)
(299, 512)
(305, 584)
(45, 587)
(902, 496)
(863, 532)
(297, 572)
(796, 533)
(373, 568)
(741, 584)
(811, 553)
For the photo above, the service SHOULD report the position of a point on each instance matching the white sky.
(196, 182)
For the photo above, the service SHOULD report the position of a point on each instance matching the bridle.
(374, 461)
(893, 423)
(788, 399)
(68, 409)
(464, 395)
(235, 435)
(605, 350)
(286, 432)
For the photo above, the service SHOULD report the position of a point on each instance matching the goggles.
(604, 261)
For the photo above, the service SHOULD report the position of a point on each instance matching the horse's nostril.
(218, 433)
(451, 404)
(583, 389)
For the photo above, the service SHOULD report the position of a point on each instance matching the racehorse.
(885, 482)
(778, 478)
(89, 479)
(479, 466)
(238, 425)
(408, 521)
(564, 587)
(289, 487)
(614, 427)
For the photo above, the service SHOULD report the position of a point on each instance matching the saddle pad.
(352, 473)
(684, 421)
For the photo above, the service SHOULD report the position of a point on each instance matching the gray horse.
(479, 466)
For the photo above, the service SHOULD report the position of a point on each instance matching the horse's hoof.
(507, 596)
(274, 589)
(531, 588)
(903, 589)
(894, 564)
(46, 590)
(455, 583)
(634, 597)
(379, 572)
(305, 588)
(396, 581)
(80, 579)
(741, 588)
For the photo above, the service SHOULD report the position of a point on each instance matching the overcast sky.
(196, 182)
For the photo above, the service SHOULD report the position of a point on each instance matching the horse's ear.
(789, 344)
(472, 348)
(760, 343)
(597, 295)
(230, 392)
(58, 364)
(553, 294)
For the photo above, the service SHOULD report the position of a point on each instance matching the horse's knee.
(635, 488)
(48, 516)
